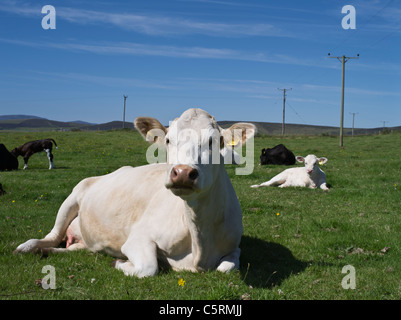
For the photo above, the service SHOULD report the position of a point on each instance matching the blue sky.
(228, 57)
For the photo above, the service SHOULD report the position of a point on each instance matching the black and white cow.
(7, 160)
(31, 147)
(277, 155)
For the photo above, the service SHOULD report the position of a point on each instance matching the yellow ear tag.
(321, 162)
(233, 142)
(150, 136)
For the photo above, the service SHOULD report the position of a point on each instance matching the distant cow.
(31, 147)
(184, 213)
(7, 160)
(308, 176)
(277, 155)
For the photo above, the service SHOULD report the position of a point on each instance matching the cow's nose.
(183, 176)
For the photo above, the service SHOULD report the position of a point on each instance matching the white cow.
(184, 214)
(308, 176)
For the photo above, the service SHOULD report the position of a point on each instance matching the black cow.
(31, 147)
(7, 160)
(2, 190)
(277, 155)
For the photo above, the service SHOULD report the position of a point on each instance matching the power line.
(364, 25)
(295, 111)
(343, 60)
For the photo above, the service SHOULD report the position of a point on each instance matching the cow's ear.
(238, 134)
(151, 129)
(322, 160)
(300, 159)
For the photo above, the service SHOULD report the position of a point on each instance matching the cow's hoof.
(28, 246)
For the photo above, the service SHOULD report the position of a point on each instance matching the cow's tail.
(54, 143)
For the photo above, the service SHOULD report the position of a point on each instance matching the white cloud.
(107, 80)
(148, 24)
(130, 48)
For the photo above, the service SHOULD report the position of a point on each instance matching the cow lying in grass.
(184, 213)
(32, 147)
(277, 155)
(308, 176)
(2, 191)
(7, 160)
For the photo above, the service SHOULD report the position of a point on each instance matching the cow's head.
(193, 143)
(15, 152)
(263, 157)
(311, 162)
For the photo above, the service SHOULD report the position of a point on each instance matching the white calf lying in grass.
(309, 176)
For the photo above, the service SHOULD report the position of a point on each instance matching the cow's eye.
(167, 140)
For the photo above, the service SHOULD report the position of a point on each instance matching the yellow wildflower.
(181, 282)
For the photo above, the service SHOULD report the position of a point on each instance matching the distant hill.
(83, 122)
(18, 116)
(33, 123)
(113, 125)
(268, 128)
(37, 124)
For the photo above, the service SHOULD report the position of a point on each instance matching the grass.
(296, 241)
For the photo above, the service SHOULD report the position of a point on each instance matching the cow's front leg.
(230, 261)
(324, 187)
(26, 158)
(142, 259)
(26, 163)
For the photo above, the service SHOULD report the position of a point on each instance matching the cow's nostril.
(193, 174)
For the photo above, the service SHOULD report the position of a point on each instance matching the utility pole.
(353, 120)
(283, 125)
(125, 98)
(384, 126)
(343, 60)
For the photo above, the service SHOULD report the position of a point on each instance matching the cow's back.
(277, 155)
(297, 177)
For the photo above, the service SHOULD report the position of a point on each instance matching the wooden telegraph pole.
(343, 60)
(283, 125)
(125, 98)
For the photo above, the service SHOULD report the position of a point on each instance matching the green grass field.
(295, 244)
